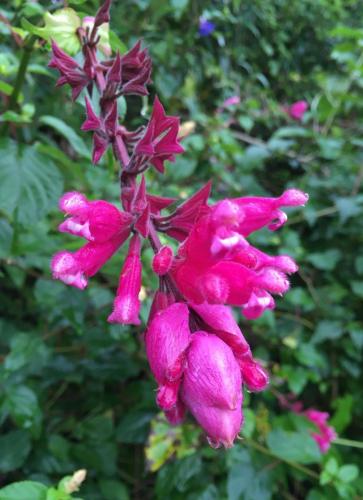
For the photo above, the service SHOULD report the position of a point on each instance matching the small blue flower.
(206, 27)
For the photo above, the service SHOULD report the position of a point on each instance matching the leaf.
(68, 133)
(348, 473)
(15, 447)
(22, 404)
(113, 490)
(245, 482)
(343, 413)
(24, 490)
(134, 427)
(30, 183)
(6, 238)
(293, 446)
(327, 330)
(357, 287)
(349, 207)
(27, 352)
(326, 261)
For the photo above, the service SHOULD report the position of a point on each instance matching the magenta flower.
(211, 388)
(216, 264)
(102, 224)
(126, 306)
(297, 110)
(163, 260)
(167, 339)
(326, 433)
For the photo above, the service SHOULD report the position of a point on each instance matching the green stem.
(348, 442)
(20, 76)
(266, 451)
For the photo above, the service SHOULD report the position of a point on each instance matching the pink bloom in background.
(297, 110)
(230, 102)
(326, 433)
(197, 353)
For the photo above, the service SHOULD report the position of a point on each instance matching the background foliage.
(76, 392)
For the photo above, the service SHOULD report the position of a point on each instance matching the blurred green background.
(75, 391)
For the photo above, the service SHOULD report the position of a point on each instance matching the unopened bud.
(163, 260)
(75, 481)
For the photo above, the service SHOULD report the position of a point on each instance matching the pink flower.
(326, 433)
(229, 102)
(167, 339)
(216, 263)
(94, 220)
(211, 388)
(102, 224)
(163, 260)
(74, 268)
(297, 110)
(220, 321)
(160, 141)
(126, 306)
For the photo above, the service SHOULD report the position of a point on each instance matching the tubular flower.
(166, 340)
(102, 224)
(326, 433)
(212, 390)
(127, 305)
(216, 263)
(297, 110)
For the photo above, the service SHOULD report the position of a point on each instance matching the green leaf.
(27, 352)
(6, 238)
(15, 447)
(68, 133)
(245, 482)
(293, 446)
(113, 490)
(24, 490)
(30, 183)
(134, 427)
(348, 473)
(343, 413)
(22, 404)
(357, 287)
(327, 330)
(326, 261)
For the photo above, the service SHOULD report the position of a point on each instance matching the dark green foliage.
(75, 391)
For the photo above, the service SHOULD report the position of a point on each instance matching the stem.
(266, 451)
(348, 442)
(20, 76)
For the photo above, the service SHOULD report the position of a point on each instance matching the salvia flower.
(297, 110)
(211, 388)
(197, 353)
(127, 304)
(216, 264)
(326, 433)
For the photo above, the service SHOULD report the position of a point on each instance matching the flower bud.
(126, 306)
(212, 388)
(166, 340)
(163, 260)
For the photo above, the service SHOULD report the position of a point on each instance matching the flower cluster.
(196, 350)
